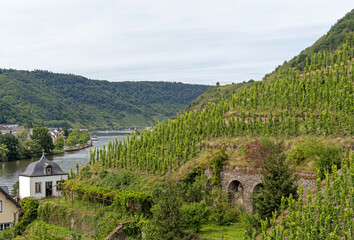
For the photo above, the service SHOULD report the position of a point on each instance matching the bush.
(194, 215)
(29, 213)
(324, 154)
(222, 212)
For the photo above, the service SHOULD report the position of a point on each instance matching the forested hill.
(342, 31)
(52, 99)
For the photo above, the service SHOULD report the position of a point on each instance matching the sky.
(189, 41)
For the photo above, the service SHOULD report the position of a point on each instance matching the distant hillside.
(339, 33)
(52, 99)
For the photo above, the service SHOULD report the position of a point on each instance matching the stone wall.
(240, 182)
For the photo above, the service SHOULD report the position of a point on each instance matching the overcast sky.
(191, 41)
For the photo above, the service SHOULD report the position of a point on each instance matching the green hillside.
(217, 94)
(339, 33)
(307, 117)
(319, 102)
(57, 100)
(167, 180)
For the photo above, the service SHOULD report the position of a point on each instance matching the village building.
(9, 209)
(40, 179)
(10, 128)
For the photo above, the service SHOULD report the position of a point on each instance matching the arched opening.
(257, 188)
(235, 192)
(49, 170)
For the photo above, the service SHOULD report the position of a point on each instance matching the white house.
(40, 179)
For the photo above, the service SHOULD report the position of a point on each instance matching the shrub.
(217, 161)
(194, 215)
(29, 213)
(324, 154)
(222, 212)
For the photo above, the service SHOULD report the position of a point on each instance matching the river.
(9, 171)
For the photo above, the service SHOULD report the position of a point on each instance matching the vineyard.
(167, 182)
(325, 214)
(317, 101)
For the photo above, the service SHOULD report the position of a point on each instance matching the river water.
(9, 171)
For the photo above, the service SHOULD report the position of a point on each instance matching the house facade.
(9, 209)
(40, 179)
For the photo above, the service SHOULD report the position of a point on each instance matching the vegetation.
(310, 103)
(19, 147)
(326, 213)
(277, 182)
(340, 32)
(217, 94)
(74, 101)
(77, 137)
(298, 117)
(41, 137)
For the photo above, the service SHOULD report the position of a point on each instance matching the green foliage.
(39, 230)
(222, 211)
(277, 183)
(77, 137)
(84, 173)
(122, 179)
(217, 161)
(317, 102)
(166, 211)
(3, 153)
(41, 136)
(96, 223)
(340, 32)
(15, 189)
(124, 200)
(195, 214)
(67, 100)
(29, 213)
(11, 146)
(326, 214)
(59, 143)
(216, 95)
(325, 155)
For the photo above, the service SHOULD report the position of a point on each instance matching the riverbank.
(9, 171)
(81, 147)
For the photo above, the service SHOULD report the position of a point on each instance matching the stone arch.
(235, 190)
(257, 188)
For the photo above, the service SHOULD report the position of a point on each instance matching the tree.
(11, 143)
(166, 212)
(22, 135)
(277, 182)
(59, 142)
(66, 132)
(3, 153)
(195, 214)
(41, 137)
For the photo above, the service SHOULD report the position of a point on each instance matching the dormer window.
(49, 170)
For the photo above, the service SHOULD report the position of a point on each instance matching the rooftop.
(39, 168)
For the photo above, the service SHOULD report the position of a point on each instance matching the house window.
(5, 226)
(49, 170)
(0, 206)
(38, 187)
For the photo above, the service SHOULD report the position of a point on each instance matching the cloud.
(195, 41)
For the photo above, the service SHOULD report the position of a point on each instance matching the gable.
(7, 199)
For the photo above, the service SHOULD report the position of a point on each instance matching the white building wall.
(30, 186)
(25, 186)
